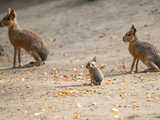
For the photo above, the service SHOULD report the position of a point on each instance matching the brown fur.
(23, 38)
(143, 51)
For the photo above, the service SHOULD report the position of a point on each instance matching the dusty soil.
(76, 31)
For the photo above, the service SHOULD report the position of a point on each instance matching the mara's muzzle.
(87, 65)
(1, 24)
(124, 40)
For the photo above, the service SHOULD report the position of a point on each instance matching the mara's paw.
(14, 66)
(20, 65)
(131, 72)
(39, 63)
(31, 64)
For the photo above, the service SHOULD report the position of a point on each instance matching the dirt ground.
(76, 31)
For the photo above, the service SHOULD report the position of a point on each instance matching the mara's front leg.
(14, 58)
(19, 57)
(137, 65)
(133, 63)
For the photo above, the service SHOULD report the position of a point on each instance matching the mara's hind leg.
(133, 63)
(37, 58)
(14, 58)
(19, 57)
(137, 65)
(153, 66)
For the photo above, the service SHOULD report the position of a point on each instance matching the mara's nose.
(1, 24)
(123, 38)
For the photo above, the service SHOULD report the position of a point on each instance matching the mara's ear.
(9, 10)
(133, 29)
(94, 59)
(13, 13)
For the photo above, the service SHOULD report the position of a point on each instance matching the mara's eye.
(129, 34)
(8, 18)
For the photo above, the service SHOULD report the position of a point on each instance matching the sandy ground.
(76, 31)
